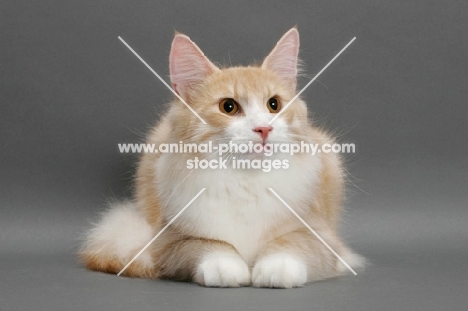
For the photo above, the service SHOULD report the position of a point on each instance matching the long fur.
(237, 232)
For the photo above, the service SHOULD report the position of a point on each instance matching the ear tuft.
(283, 59)
(188, 65)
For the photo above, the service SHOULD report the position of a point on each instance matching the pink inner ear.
(188, 65)
(283, 58)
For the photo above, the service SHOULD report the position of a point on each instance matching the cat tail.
(115, 239)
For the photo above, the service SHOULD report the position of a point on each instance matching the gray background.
(70, 91)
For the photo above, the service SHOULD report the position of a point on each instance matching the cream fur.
(121, 232)
(237, 232)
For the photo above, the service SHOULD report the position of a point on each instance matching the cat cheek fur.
(237, 232)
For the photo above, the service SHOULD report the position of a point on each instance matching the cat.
(237, 232)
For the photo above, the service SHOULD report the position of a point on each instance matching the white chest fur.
(236, 206)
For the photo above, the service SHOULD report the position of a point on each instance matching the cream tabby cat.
(237, 233)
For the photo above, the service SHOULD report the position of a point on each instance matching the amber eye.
(228, 106)
(274, 105)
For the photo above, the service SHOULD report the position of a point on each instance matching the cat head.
(237, 103)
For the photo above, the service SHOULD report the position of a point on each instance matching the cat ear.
(283, 58)
(188, 65)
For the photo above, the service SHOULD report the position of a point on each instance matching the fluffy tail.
(115, 239)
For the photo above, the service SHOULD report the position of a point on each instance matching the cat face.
(238, 102)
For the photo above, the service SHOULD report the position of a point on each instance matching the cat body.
(237, 232)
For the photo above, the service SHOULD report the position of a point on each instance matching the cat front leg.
(222, 268)
(294, 259)
(207, 262)
(280, 270)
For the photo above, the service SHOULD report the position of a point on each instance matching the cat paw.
(222, 269)
(279, 271)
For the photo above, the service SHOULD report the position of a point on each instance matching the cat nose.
(263, 131)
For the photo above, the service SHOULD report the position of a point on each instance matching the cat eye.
(274, 105)
(229, 106)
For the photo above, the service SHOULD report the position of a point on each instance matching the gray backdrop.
(70, 91)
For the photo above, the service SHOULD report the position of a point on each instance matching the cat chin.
(259, 156)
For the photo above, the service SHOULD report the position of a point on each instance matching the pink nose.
(263, 131)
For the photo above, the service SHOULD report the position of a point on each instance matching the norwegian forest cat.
(237, 232)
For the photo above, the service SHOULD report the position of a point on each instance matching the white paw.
(279, 270)
(222, 269)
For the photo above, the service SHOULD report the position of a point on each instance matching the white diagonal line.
(313, 231)
(310, 82)
(162, 80)
(160, 232)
